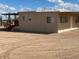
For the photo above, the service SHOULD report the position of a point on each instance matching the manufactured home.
(47, 22)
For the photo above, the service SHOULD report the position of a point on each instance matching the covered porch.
(68, 21)
(10, 21)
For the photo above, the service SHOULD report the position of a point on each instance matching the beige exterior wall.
(38, 22)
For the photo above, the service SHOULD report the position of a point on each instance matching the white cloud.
(71, 6)
(28, 9)
(5, 8)
(44, 9)
(65, 6)
(12, 8)
(25, 9)
(56, 1)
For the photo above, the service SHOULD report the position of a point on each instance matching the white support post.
(71, 21)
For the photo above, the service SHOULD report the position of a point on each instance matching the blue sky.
(31, 3)
(34, 4)
(27, 3)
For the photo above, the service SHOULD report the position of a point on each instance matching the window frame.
(77, 19)
(63, 19)
(49, 19)
(29, 19)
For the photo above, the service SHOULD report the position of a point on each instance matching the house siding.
(38, 22)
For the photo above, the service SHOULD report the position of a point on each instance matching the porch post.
(71, 21)
(9, 19)
(15, 17)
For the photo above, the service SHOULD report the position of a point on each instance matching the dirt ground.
(16, 45)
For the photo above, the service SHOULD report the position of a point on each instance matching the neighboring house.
(48, 22)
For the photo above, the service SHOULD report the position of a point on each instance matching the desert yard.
(17, 45)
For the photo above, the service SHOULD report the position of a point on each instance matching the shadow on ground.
(6, 30)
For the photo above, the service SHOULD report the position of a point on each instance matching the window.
(23, 18)
(16, 22)
(63, 19)
(29, 19)
(49, 19)
(77, 19)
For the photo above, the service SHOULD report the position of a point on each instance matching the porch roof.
(10, 14)
(69, 13)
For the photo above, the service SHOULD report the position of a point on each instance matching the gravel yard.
(16, 45)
